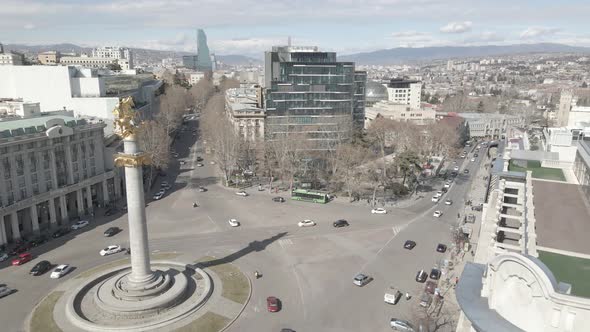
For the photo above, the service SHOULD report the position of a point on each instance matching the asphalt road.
(309, 269)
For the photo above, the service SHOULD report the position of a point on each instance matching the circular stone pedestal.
(107, 302)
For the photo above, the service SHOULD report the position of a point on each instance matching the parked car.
(164, 184)
(80, 224)
(430, 287)
(379, 211)
(476, 155)
(435, 199)
(409, 244)
(472, 159)
(60, 271)
(183, 162)
(23, 247)
(421, 276)
(40, 268)
(456, 168)
(392, 295)
(39, 240)
(278, 199)
(273, 304)
(401, 325)
(158, 195)
(233, 223)
(437, 214)
(425, 300)
(202, 189)
(22, 258)
(448, 184)
(242, 193)
(435, 274)
(200, 165)
(3, 256)
(110, 212)
(466, 171)
(111, 231)
(306, 223)
(441, 247)
(199, 158)
(5, 291)
(340, 223)
(112, 249)
(60, 232)
(361, 279)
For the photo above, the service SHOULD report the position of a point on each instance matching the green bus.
(309, 196)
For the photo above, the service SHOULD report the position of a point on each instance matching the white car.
(80, 224)
(449, 202)
(437, 214)
(212, 162)
(379, 211)
(361, 279)
(183, 162)
(401, 325)
(242, 193)
(439, 193)
(456, 168)
(3, 256)
(200, 165)
(435, 199)
(164, 184)
(159, 194)
(448, 184)
(110, 250)
(306, 223)
(60, 271)
(234, 223)
(472, 159)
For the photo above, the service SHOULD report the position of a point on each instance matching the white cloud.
(29, 26)
(533, 32)
(408, 34)
(483, 38)
(457, 27)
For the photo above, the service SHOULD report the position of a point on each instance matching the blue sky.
(251, 26)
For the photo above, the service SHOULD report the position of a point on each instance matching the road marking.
(285, 242)
(213, 222)
(300, 292)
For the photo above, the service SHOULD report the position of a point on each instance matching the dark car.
(199, 158)
(39, 240)
(476, 155)
(409, 244)
(421, 276)
(430, 287)
(435, 274)
(441, 248)
(20, 249)
(287, 330)
(273, 304)
(40, 268)
(278, 199)
(454, 174)
(110, 212)
(340, 223)
(111, 231)
(60, 232)
(466, 171)
(444, 190)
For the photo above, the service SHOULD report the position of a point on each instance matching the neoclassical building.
(52, 169)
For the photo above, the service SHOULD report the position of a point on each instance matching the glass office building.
(310, 95)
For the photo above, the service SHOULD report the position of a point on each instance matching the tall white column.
(3, 237)
(64, 209)
(14, 224)
(80, 202)
(52, 213)
(34, 218)
(70, 169)
(89, 199)
(138, 239)
(105, 192)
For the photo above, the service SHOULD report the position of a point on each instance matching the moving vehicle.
(80, 224)
(435, 199)
(112, 249)
(110, 212)
(439, 193)
(39, 240)
(472, 159)
(159, 195)
(278, 199)
(392, 295)
(60, 271)
(306, 223)
(40, 268)
(401, 325)
(202, 189)
(449, 202)
(421, 276)
(361, 279)
(200, 165)
(435, 274)
(409, 244)
(437, 214)
(340, 223)
(242, 193)
(456, 168)
(273, 304)
(448, 184)
(60, 232)
(3, 256)
(164, 184)
(441, 247)
(466, 171)
(233, 223)
(199, 158)
(309, 196)
(111, 231)
(22, 258)
(5, 291)
(379, 211)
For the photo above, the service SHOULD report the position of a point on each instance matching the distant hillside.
(141, 55)
(401, 55)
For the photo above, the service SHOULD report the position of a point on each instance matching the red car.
(272, 304)
(22, 258)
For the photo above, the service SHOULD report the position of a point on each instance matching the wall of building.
(579, 117)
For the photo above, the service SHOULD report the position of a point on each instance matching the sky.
(249, 27)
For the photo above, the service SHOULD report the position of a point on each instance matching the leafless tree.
(173, 105)
(349, 158)
(436, 318)
(154, 140)
(458, 103)
(228, 83)
(201, 92)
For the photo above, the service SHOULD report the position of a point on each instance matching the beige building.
(18, 108)
(245, 112)
(49, 58)
(87, 62)
(399, 112)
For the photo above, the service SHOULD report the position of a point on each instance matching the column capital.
(132, 160)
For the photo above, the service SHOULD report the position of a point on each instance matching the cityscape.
(169, 166)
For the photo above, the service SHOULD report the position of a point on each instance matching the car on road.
(112, 249)
(409, 244)
(466, 171)
(449, 202)
(202, 189)
(60, 271)
(454, 174)
(430, 287)
(111, 231)
(80, 224)
(242, 193)
(441, 247)
(476, 155)
(199, 158)
(287, 330)
(164, 184)
(110, 212)
(379, 211)
(273, 304)
(421, 276)
(340, 223)
(435, 274)
(439, 193)
(437, 214)
(278, 199)
(212, 162)
(361, 279)
(5, 291)
(174, 154)
(39, 240)
(183, 162)
(456, 168)
(22, 258)
(233, 223)
(392, 295)
(448, 184)
(306, 223)
(401, 325)
(200, 165)
(60, 232)
(159, 195)
(435, 199)
(40, 268)
(20, 249)
(425, 300)
(3, 256)
(472, 159)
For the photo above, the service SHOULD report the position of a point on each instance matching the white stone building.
(194, 78)
(404, 92)
(489, 125)
(87, 62)
(399, 112)
(52, 168)
(18, 108)
(122, 54)
(245, 112)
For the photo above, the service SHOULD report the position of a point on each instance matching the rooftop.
(572, 270)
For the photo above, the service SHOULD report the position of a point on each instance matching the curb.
(243, 307)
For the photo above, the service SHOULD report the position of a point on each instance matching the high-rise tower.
(203, 56)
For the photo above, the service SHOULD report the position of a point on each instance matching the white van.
(392, 295)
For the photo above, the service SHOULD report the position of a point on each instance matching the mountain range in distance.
(391, 56)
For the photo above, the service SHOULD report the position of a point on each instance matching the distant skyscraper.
(203, 56)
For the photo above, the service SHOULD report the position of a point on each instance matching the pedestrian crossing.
(397, 229)
(285, 242)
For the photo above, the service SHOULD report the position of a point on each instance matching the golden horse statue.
(125, 125)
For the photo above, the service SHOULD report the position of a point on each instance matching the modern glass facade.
(203, 56)
(189, 61)
(311, 95)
